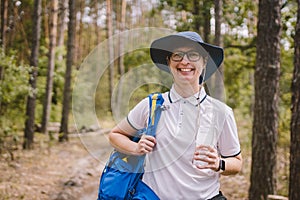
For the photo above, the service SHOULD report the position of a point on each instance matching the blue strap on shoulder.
(155, 107)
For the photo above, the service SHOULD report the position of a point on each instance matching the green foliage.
(139, 80)
(136, 58)
(285, 96)
(13, 89)
(102, 99)
(238, 73)
(144, 91)
(242, 11)
(13, 93)
(58, 83)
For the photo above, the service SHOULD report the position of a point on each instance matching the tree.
(121, 66)
(110, 45)
(62, 23)
(97, 28)
(69, 63)
(294, 192)
(51, 65)
(4, 16)
(4, 11)
(206, 17)
(31, 99)
(218, 41)
(265, 122)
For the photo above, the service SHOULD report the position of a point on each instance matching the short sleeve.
(138, 116)
(229, 145)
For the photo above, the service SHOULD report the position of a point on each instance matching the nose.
(185, 59)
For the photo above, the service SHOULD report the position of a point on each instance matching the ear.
(205, 59)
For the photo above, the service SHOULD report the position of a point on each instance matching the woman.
(196, 138)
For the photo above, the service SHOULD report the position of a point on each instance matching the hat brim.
(162, 48)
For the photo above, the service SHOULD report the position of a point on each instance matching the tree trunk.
(265, 123)
(4, 9)
(31, 100)
(206, 24)
(219, 86)
(294, 192)
(110, 46)
(80, 36)
(205, 30)
(121, 66)
(63, 5)
(196, 13)
(4, 15)
(70, 59)
(45, 5)
(97, 27)
(51, 66)
(121, 39)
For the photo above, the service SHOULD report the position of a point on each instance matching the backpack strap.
(155, 107)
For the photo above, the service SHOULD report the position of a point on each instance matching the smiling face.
(186, 66)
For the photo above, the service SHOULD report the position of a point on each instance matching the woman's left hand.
(209, 156)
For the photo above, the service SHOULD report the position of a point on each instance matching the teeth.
(185, 69)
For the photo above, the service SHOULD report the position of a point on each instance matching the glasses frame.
(187, 53)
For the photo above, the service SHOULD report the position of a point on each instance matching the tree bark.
(121, 39)
(80, 36)
(294, 192)
(45, 5)
(31, 99)
(110, 46)
(265, 123)
(4, 15)
(196, 13)
(69, 63)
(97, 27)
(219, 87)
(63, 5)
(207, 17)
(51, 66)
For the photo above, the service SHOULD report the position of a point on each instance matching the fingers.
(145, 144)
(209, 157)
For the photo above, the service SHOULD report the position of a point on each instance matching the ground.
(64, 171)
(57, 171)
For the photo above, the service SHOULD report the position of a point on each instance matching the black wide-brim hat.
(162, 48)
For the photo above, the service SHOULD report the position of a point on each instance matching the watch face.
(223, 165)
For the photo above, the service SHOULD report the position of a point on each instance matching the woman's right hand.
(145, 144)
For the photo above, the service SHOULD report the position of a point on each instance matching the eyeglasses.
(193, 56)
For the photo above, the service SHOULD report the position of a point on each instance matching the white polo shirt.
(169, 170)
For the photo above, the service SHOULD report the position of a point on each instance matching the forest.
(72, 67)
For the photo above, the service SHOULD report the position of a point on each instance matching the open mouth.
(185, 69)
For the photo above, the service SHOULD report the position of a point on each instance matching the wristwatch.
(221, 165)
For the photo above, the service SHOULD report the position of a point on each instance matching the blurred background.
(43, 44)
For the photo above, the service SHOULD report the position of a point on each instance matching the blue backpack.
(121, 178)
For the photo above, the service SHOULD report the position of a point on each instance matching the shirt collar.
(194, 99)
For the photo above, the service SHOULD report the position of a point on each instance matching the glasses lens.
(192, 56)
(178, 56)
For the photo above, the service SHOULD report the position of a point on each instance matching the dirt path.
(53, 171)
(71, 170)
